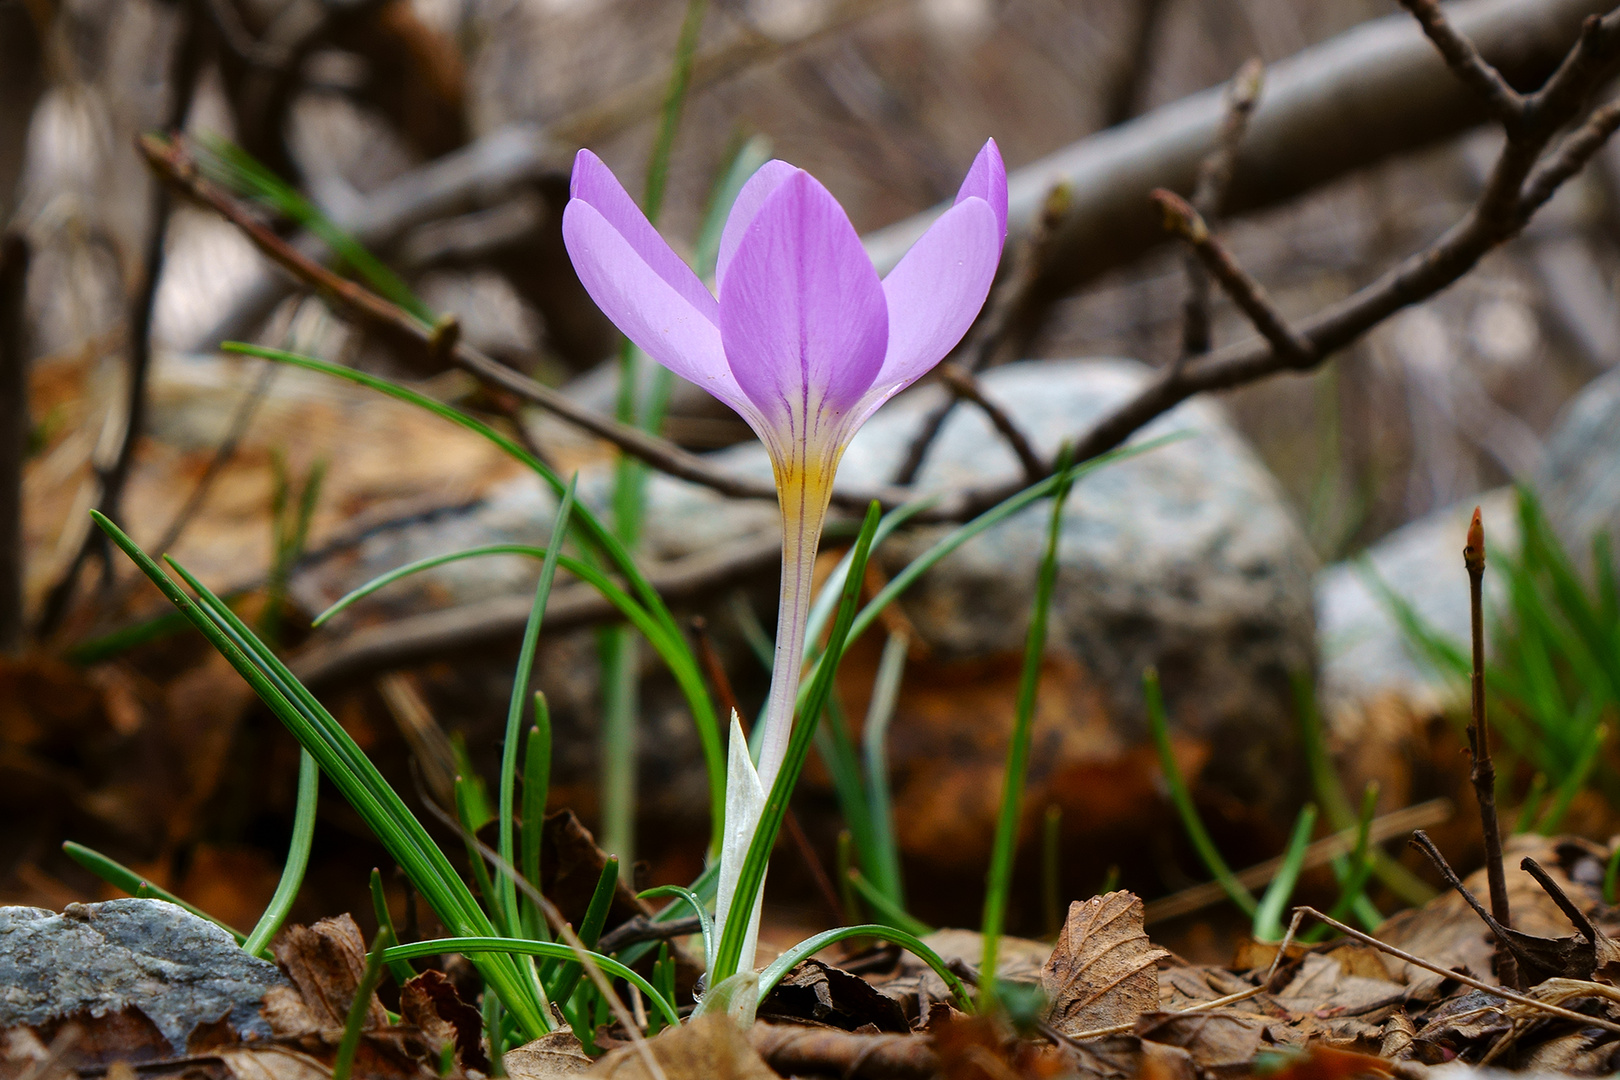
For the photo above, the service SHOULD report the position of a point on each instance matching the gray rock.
(177, 969)
(1364, 650)
(1579, 479)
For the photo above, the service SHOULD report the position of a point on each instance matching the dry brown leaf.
(1216, 1039)
(711, 1047)
(273, 1063)
(1102, 971)
(1324, 989)
(557, 1054)
(325, 962)
(431, 1003)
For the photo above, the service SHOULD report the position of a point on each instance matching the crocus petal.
(646, 307)
(802, 315)
(744, 208)
(987, 178)
(936, 291)
(594, 183)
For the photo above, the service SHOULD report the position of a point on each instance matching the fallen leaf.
(1103, 970)
(1321, 1062)
(1216, 1038)
(711, 1047)
(827, 995)
(431, 1003)
(1324, 989)
(325, 963)
(557, 1054)
(272, 1063)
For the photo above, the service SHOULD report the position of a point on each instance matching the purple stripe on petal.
(987, 178)
(645, 307)
(802, 314)
(594, 183)
(935, 292)
(765, 180)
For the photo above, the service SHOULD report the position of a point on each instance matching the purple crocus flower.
(804, 342)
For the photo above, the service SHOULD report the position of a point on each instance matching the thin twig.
(964, 386)
(638, 929)
(1209, 198)
(1504, 102)
(1483, 772)
(1459, 976)
(1182, 219)
(14, 426)
(1011, 315)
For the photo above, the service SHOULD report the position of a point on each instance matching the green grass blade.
(344, 764)
(998, 880)
(772, 975)
(1159, 725)
(751, 877)
(1356, 871)
(343, 1064)
(837, 752)
(514, 710)
(120, 876)
(885, 872)
(887, 910)
(551, 950)
(536, 789)
(399, 969)
(1268, 916)
(590, 927)
(292, 873)
(705, 920)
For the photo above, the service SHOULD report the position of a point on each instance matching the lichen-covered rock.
(99, 960)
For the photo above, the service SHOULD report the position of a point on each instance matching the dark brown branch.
(172, 161)
(1483, 773)
(1209, 196)
(13, 434)
(1181, 219)
(1506, 106)
(963, 385)
(634, 931)
(1569, 158)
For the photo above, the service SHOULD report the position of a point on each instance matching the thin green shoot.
(1052, 869)
(998, 880)
(470, 824)
(292, 871)
(1268, 915)
(289, 536)
(886, 909)
(1611, 877)
(471, 946)
(1353, 874)
(792, 958)
(1574, 782)
(1335, 803)
(493, 1033)
(663, 977)
(536, 789)
(690, 898)
(884, 870)
(1159, 726)
(751, 877)
(399, 969)
(360, 1007)
(504, 814)
(845, 863)
(346, 766)
(122, 877)
(590, 928)
(837, 752)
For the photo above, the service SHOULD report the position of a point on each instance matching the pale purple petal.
(645, 307)
(988, 180)
(936, 291)
(594, 183)
(766, 179)
(802, 314)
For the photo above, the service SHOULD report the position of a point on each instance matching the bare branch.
(965, 386)
(1506, 106)
(1181, 219)
(1569, 158)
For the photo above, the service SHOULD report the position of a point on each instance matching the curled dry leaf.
(550, 1056)
(325, 962)
(1103, 970)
